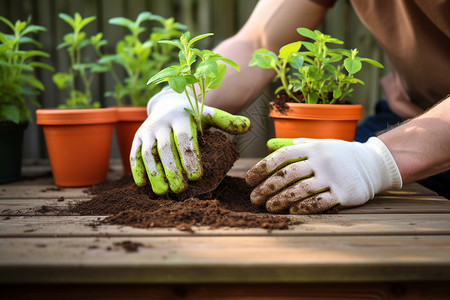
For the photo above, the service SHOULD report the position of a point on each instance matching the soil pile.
(226, 204)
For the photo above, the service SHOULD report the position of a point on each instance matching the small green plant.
(323, 74)
(207, 75)
(18, 85)
(141, 57)
(80, 72)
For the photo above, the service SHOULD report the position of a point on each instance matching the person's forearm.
(421, 146)
(271, 25)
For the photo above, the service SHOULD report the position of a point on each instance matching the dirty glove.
(313, 175)
(165, 146)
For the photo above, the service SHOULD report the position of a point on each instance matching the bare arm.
(421, 146)
(271, 25)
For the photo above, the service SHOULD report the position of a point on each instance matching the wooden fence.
(223, 17)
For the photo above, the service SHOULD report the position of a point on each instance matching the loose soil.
(227, 205)
(281, 100)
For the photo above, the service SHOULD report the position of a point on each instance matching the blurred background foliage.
(222, 17)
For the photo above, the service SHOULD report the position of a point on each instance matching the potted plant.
(312, 101)
(18, 86)
(139, 58)
(78, 134)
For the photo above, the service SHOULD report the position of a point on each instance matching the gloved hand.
(165, 146)
(312, 175)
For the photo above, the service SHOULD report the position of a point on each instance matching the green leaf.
(372, 62)
(7, 22)
(163, 75)
(172, 43)
(62, 80)
(33, 28)
(217, 81)
(207, 68)
(296, 60)
(68, 19)
(289, 49)
(178, 83)
(86, 21)
(307, 33)
(310, 46)
(231, 63)
(144, 16)
(120, 21)
(352, 65)
(11, 112)
(337, 93)
(199, 37)
(264, 58)
(189, 111)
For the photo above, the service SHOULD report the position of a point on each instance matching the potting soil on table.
(227, 206)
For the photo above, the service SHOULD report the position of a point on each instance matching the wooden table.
(396, 246)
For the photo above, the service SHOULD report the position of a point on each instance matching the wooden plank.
(267, 291)
(225, 259)
(316, 225)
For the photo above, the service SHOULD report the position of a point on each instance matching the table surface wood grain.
(398, 236)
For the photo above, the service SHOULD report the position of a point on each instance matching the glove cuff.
(394, 178)
(163, 94)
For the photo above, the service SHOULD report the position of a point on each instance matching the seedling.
(75, 42)
(324, 75)
(141, 57)
(195, 82)
(18, 85)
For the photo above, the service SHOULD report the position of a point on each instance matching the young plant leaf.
(178, 83)
(289, 49)
(352, 65)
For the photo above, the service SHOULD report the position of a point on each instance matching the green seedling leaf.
(289, 49)
(296, 60)
(178, 83)
(120, 21)
(372, 62)
(231, 63)
(199, 37)
(207, 68)
(352, 65)
(307, 33)
(163, 75)
(217, 81)
(62, 80)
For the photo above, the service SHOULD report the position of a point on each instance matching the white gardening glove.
(313, 175)
(165, 146)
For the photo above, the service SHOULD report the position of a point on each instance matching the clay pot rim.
(131, 113)
(76, 116)
(319, 111)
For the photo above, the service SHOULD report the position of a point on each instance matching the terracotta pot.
(324, 121)
(129, 119)
(78, 143)
(11, 146)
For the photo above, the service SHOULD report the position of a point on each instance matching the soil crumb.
(227, 206)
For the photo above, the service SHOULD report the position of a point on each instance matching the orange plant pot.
(78, 143)
(129, 119)
(321, 121)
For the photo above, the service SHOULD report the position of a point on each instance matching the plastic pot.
(78, 143)
(129, 119)
(11, 147)
(322, 121)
